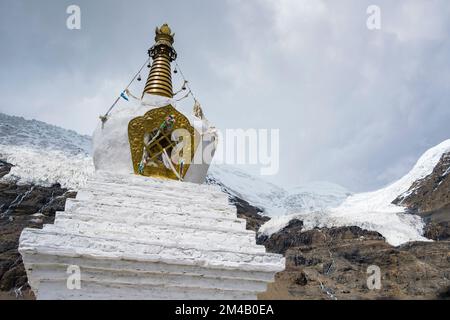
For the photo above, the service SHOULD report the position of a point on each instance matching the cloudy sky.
(354, 106)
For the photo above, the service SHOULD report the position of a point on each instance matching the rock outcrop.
(22, 206)
(430, 198)
(5, 167)
(141, 238)
(333, 263)
(250, 213)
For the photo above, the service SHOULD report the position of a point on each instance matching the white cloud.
(351, 104)
(418, 20)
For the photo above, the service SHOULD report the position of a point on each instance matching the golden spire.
(159, 81)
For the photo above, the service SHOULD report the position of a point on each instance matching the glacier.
(373, 211)
(44, 154)
(273, 200)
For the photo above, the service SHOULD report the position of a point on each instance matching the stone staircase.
(135, 237)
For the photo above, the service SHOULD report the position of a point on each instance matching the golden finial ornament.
(159, 81)
(155, 151)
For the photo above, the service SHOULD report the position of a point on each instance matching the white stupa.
(145, 227)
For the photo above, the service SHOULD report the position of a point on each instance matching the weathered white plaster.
(143, 238)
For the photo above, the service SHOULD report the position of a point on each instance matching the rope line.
(186, 83)
(105, 117)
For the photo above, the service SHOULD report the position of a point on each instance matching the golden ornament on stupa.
(154, 136)
(160, 78)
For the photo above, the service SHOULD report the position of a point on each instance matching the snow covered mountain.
(375, 210)
(43, 154)
(16, 131)
(257, 192)
(318, 195)
(273, 200)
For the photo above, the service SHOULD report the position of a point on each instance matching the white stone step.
(142, 278)
(142, 181)
(153, 190)
(57, 290)
(166, 219)
(42, 260)
(157, 205)
(75, 205)
(243, 241)
(167, 238)
(151, 193)
(88, 195)
(66, 244)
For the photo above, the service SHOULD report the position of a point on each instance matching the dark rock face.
(293, 236)
(437, 231)
(430, 198)
(244, 210)
(431, 193)
(4, 168)
(249, 213)
(23, 206)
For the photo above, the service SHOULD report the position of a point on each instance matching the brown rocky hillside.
(430, 198)
(22, 206)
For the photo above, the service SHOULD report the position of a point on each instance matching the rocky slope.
(332, 264)
(22, 206)
(430, 198)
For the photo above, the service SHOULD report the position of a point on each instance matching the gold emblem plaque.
(151, 143)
